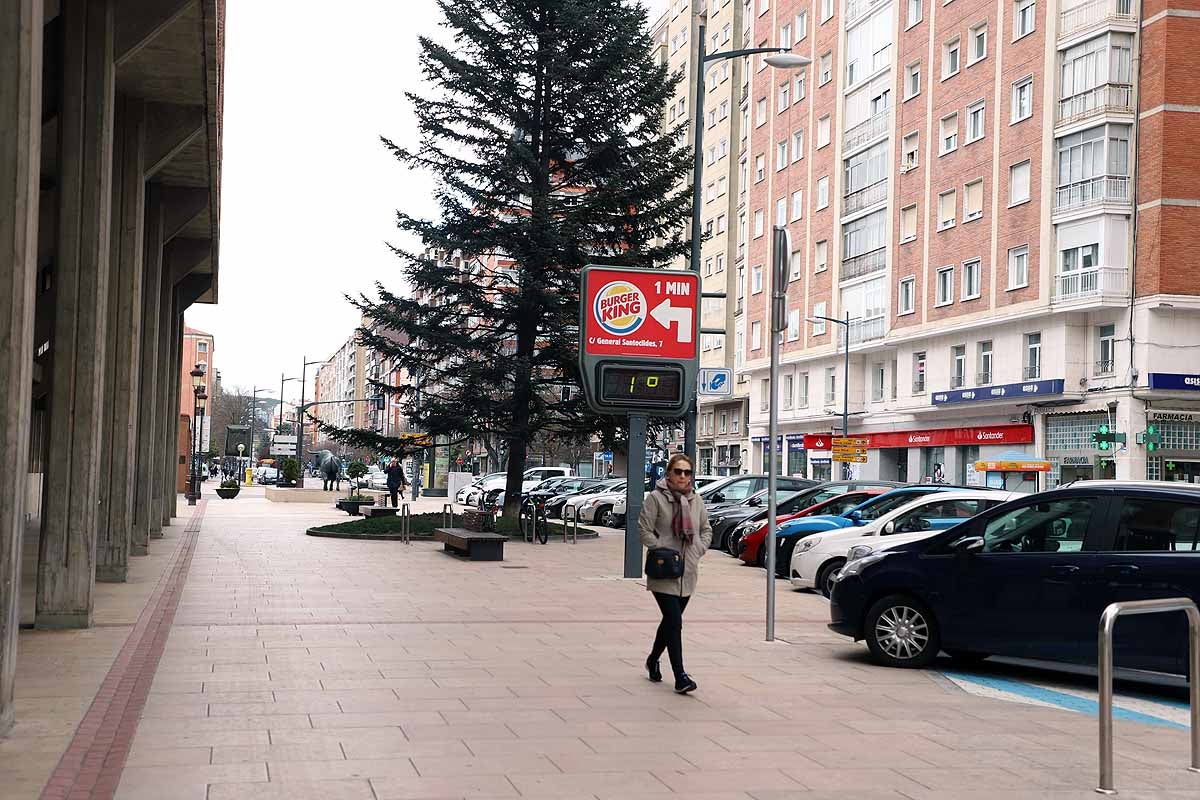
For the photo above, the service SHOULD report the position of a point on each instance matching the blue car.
(1030, 579)
(793, 531)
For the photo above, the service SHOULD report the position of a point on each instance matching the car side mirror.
(754, 501)
(889, 528)
(968, 544)
(718, 497)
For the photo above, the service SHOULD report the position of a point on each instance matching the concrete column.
(163, 480)
(67, 561)
(914, 465)
(145, 520)
(20, 156)
(171, 413)
(119, 451)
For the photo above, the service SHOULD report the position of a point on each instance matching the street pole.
(782, 248)
(689, 424)
(300, 419)
(635, 491)
(191, 495)
(846, 391)
(253, 414)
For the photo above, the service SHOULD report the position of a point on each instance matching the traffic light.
(1152, 437)
(1104, 438)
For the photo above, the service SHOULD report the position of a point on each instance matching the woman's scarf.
(681, 522)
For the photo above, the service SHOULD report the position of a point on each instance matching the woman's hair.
(675, 459)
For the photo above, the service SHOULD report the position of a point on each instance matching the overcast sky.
(308, 193)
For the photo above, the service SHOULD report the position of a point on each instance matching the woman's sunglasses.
(685, 472)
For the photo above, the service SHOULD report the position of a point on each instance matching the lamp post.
(197, 388)
(300, 419)
(253, 414)
(845, 323)
(781, 58)
(240, 473)
(201, 406)
(282, 381)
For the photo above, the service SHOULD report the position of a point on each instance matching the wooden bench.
(380, 511)
(473, 545)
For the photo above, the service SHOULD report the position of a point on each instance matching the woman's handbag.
(664, 562)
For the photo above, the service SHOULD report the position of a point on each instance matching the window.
(820, 256)
(830, 386)
(721, 226)
(802, 391)
(724, 422)
(1105, 350)
(985, 364)
(1018, 267)
(1056, 526)
(708, 262)
(822, 192)
(763, 6)
(1082, 257)
(912, 80)
(781, 208)
(797, 204)
(784, 97)
(201, 347)
(958, 366)
(826, 10)
(972, 279)
(800, 91)
(947, 206)
(909, 151)
(945, 286)
(1082, 158)
(797, 146)
(781, 155)
(756, 279)
(977, 42)
(918, 372)
(760, 112)
(975, 121)
(1018, 183)
(785, 35)
(721, 256)
(908, 223)
(760, 168)
(1024, 14)
(756, 335)
(906, 297)
(1022, 99)
(793, 325)
(826, 69)
(764, 393)
(822, 131)
(950, 56)
(914, 13)
(723, 113)
(1033, 356)
(877, 382)
(722, 186)
(973, 200)
(801, 25)
(949, 140)
(1154, 525)
(712, 118)
(785, 397)
(818, 323)
(758, 223)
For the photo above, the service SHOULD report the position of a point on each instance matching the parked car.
(1031, 578)
(469, 494)
(742, 488)
(725, 520)
(554, 505)
(497, 481)
(816, 559)
(747, 542)
(594, 506)
(267, 476)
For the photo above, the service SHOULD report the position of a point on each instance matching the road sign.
(283, 450)
(716, 382)
(849, 458)
(844, 441)
(638, 347)
(607, 455)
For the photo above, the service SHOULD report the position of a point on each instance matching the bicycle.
(534, 525)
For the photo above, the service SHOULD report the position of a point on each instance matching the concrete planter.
(227, 494)
(352, 507)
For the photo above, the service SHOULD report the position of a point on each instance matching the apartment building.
(967, 183)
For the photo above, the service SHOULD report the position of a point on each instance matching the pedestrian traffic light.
(1152, 437)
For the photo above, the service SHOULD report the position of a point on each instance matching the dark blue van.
(1030, 579)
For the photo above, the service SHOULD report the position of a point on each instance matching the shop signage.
(1172, 416)
(1004, 392)
(943, 437)
(1012, 466)
(817, 441)
(1076, 461)
(1175, 381)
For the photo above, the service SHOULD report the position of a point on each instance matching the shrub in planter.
(290, 469)
(355, 471)
(228, 489)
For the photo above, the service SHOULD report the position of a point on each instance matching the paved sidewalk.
(307, 667)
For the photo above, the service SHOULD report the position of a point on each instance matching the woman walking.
(673, 516)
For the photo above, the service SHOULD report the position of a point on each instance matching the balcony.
(865, 197)
(1114, 98)
(983, 379)
(919, 385)
(865, 264)
(866, 330)
(1031, 372)
(1104, 367)
(1092, 192)
(864, 132)
(958, 381)
(1094, 12)
(1091, 285)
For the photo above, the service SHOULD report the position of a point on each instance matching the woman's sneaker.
(652, 668)
(684, 684)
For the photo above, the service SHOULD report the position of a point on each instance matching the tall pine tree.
(543, 130)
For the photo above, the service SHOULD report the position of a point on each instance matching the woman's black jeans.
(670, 630)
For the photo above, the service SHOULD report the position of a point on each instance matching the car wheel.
(601, 515)
(965, 658)
(731, 544)
(901, 631)
(760, 560)
(825, 576)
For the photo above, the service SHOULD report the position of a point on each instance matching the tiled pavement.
(303, 667)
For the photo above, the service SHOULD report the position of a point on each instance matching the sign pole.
(782, 249)
(634, 492)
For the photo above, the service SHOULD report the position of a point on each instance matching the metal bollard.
(574, 520)
(405, 524)
(1107, 620)
(447, 509)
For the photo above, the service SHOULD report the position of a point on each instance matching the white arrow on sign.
(664, 314)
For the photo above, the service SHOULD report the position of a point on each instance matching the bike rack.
(405, 524)
(1109, 619)
(526, 519)
(573, 518)
(447, 509)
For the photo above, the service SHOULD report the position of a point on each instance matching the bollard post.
(405, 524)
(447, 508)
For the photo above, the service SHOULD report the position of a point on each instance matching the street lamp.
(253, 414)
(201, 406)
(780, 58)
(300, 419)
(197, 389)
(845, 323)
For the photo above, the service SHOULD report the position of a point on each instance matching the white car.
(469, 494)
(497, 481)
(817, 558)
(594, 507)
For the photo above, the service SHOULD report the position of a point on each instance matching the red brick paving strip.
(92, 765)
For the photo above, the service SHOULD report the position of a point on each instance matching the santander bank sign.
(948, 437)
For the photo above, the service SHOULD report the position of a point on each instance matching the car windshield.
(878, 506)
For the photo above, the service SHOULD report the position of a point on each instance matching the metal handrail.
(1109, 619)
(405, 524)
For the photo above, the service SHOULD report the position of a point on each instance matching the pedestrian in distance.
(673, 517)
(396, 482)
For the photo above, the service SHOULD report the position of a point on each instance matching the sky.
(308, 193)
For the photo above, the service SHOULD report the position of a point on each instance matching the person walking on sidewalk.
(673, 516)
(396, 482)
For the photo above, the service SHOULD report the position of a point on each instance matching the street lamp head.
(201, 401)
(787, 61)
(197, 376)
